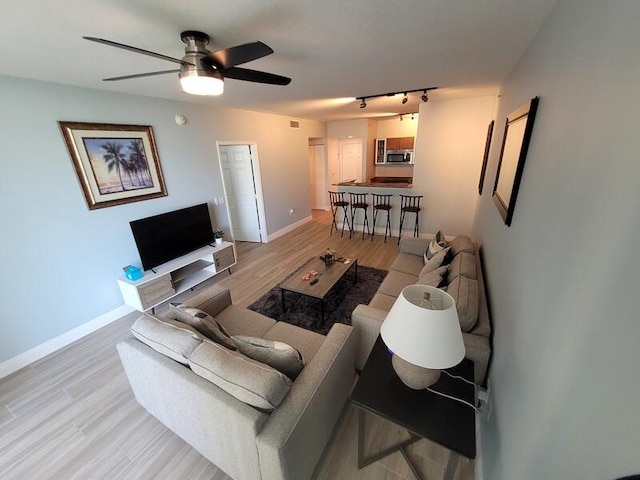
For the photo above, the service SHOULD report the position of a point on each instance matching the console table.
(422, 413)
(177, 276)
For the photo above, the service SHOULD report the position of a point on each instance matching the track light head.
(425, 97)
(363, 104)
(405, 98)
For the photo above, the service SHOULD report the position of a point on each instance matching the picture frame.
(485, 157)
(115, 164)
(515, 143)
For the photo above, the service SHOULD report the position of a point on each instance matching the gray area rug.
(304, 311)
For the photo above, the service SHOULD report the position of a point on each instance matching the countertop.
(376, 184)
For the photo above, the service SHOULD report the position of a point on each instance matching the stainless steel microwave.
(400, 156)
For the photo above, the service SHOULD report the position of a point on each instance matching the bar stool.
(337, 200)
(409, 204)
(359, 200)
(381, 202)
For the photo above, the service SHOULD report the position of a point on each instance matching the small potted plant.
(217, 235)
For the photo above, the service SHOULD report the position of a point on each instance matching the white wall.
(448, 156)
(563, 279)
(393, 127)
(59, 260)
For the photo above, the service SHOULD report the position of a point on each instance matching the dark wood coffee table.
(422, 413)
(328, 276)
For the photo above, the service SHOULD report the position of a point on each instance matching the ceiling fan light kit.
(198, 83)
(202, 71)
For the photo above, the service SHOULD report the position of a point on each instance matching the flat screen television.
(170, 235)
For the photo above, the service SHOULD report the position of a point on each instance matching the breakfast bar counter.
(380, 188)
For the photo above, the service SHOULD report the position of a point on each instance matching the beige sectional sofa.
(462, 278)
(248, 420)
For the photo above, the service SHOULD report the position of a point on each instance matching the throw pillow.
(249, 381)
(203, 322)
(434, 262)
(465, 293)
(433, 278)
(169, 337)
(279, 355)
(461, 243)
(436, 244)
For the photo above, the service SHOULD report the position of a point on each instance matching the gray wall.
(59, 260)
(563, 279)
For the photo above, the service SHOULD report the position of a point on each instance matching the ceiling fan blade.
(136, 50)
(139, 75)
(232, 56)
(255, 76)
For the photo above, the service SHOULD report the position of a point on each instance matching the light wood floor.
(72, 415)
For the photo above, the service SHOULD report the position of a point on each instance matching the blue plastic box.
(132, 272)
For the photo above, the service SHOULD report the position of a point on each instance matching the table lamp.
(422, 331)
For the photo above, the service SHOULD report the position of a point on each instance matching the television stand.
(179, 275)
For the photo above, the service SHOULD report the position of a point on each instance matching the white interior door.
(351, 161)
(317, 177)
(239, 177)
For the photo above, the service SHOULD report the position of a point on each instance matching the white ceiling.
(334, 50)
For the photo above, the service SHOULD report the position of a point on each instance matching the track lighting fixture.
(406, 114)
(405, 97)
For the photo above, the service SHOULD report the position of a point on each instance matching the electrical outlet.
(484, 402)
(291, 211)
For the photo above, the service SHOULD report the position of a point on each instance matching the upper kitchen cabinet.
(400, 143)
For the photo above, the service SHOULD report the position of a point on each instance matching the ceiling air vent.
(294, 124)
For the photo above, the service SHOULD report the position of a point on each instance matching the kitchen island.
(394, 186)
(381, 182)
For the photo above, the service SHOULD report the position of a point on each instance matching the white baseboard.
(22, 360)
(286, 230)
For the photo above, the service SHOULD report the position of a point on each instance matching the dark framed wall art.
(517, 134)
(115, 164)
(485, 157)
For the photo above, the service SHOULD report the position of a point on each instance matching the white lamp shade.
(426, 335)
(199, 84)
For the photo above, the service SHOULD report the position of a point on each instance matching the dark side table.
(422, 413)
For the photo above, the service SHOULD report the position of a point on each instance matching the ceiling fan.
(202, 72)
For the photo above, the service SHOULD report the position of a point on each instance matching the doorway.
(317, 177)
(243, 191)
(351, 160)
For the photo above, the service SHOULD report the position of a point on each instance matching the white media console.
(177, 276)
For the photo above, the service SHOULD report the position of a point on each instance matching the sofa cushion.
(465, 293)
(303, 340)
(174, 339)
(433, 278)
(394, 282)
(279, 355)
(251, 382)
(436, 244)
(434, 262)
(463, 263)
(241, 321)
(461, 243)
(382, 301)
(203, 322)
(407, 263)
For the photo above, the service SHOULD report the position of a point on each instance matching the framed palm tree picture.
(115, 164)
